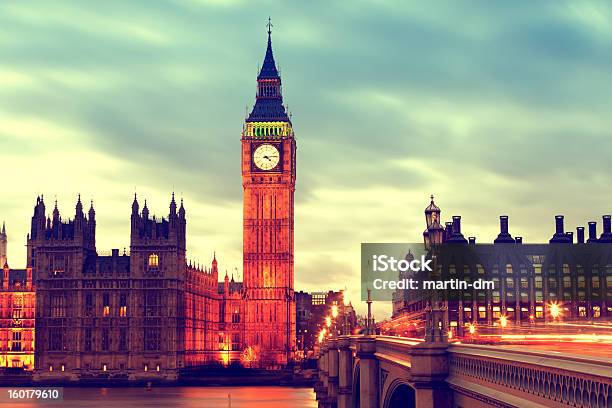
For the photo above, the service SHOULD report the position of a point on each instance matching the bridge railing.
(538, 377)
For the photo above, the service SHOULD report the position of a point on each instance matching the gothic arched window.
(153, 261)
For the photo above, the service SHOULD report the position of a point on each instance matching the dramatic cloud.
(494, 107)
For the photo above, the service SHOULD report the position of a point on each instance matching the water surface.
(177, 397)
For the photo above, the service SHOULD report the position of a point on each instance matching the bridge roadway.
(389, 372)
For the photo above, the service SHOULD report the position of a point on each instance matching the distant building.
(312, 308)
(533, 284)
(17, 313)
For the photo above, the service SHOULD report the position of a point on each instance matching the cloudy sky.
(495, 107)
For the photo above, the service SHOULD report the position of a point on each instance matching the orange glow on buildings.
(17, 311)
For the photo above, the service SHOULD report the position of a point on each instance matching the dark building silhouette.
(566, 279)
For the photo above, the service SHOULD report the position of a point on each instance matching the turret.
(434, 233)
(3, 245)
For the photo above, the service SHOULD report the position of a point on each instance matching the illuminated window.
(538, 282)
(508, 268)
(510, 283)
(50, 368)
(123, 305)
(537, 268)
(16, 343)
(106, 304)
(482, 312)
(524, 283)
(153, 261)
(63, 368)
(467, 313)
(566, 268)
(479, 269)
(539, 312)
(581, 311)
(495, 296)
(157, 368)
(596, 311)
(510, 312)
(496, 312)
(567, 282)
(146, 368)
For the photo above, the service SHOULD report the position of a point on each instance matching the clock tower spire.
(268, 180)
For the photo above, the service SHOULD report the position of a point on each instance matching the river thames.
(177, 397)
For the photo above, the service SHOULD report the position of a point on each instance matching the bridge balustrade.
(387, 372)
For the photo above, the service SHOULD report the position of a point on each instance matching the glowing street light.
(503, 321)
(322, 335)
(472, 328)
(328, 321)
(555, 310)
(334, 311)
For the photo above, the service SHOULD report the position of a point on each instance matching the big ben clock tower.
(268, 180)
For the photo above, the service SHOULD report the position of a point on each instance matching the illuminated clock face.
(266, 157)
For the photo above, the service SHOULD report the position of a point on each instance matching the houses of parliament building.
(75, 313)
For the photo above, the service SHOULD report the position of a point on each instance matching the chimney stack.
(559, 224)
(592, 231)
(606, 235)
(448, 230)
(456, 224)
(504, 237)
(457, 236)
(472, 240)
(580, 235)
(560, 237)
(518, 240)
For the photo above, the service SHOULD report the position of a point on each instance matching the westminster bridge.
(369, 371)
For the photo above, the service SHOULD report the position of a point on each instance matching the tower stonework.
(268, 180)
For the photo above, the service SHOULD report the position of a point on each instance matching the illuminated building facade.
(312, 308)
(533, 284)
(268, 180)
(143, 315)
(17, 309)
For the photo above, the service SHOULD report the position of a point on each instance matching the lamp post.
(345, 301)
(369, 320)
